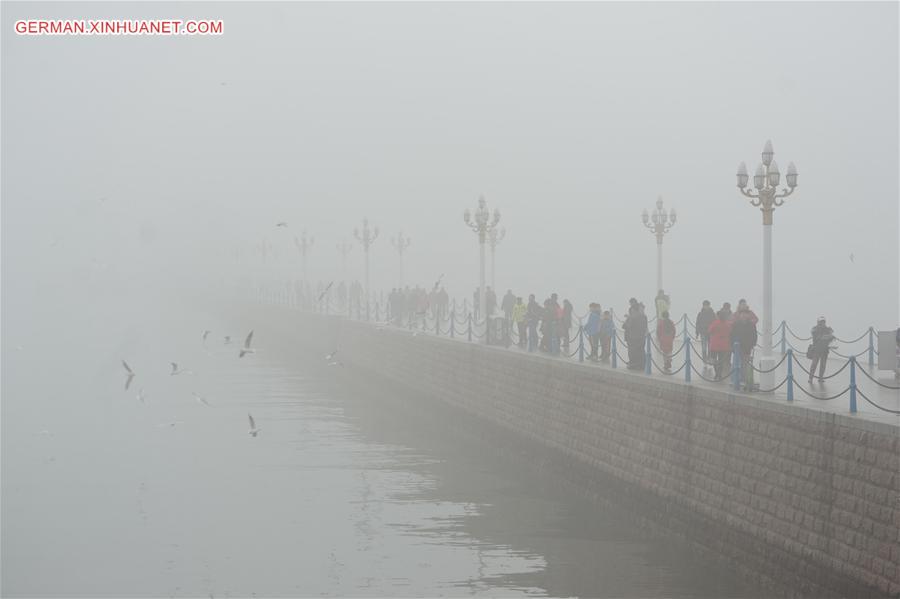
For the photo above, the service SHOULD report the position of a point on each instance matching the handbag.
(810, 351)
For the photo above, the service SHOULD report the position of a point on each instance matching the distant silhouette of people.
(592, 329)
(635, 329)
(607, 330)
(822, 337)
(705, 317)
(565, 323)
(533, 316)
(743, 332)
(720, 342)
(519, 319)
(665, 333)
(662, 303)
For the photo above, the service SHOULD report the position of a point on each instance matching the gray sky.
(570, 118)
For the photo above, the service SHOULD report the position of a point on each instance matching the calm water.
(344, 492)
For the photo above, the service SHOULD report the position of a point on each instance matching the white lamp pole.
(344, 248)
(659, 223)
(482, 224)
(495, 237)
(366, 237)
(401, 244)
(303, 246)
(767, 198)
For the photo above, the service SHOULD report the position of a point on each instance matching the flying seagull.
(336, 363)
(321, 295)
(129, 374)
(246, 349)
(141, 397)
(281, 224)
(200, 399)
(851, 257)
(227, 339)
(331, 355)
(205, 335)
(177, 370)
(253, 430)
(438, 282)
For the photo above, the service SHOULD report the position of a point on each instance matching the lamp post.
(482, 224)
(344, 248)
(366, 237)
(495, 237)
(401, 244)
(303, 246)
(659, 223)
(767, 198)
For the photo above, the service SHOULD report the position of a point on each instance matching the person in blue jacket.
(592, 329)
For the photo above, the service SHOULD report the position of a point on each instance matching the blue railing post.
(648, 366)
(612, 349)
(853, 384)
(736, 366)
(685, 329)
(580, 342)
(470, 327)
(783, 339)
(790, 375)
(871, 348)
(687, 358)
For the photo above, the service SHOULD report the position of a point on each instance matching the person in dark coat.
(822, 337)
(705, 317)
(635, 329)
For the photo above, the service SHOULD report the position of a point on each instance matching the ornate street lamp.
(659, 223)
(366, 237)
(495, 237)
(344, 248)
(303, 246)
(401, 244)
(767, 198)
(482, 224)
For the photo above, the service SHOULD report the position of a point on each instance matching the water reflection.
(346, 491)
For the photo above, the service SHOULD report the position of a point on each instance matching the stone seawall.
(809, 499)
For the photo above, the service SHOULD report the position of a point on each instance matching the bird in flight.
(331, 355)
(204, 336)
(438, 282)
(321, 295)
(177, 370)
(246, 349)
(129, 374)
(281, 224)
(227, 340)
(141, 397)
(336, 363)
(200, 399)
(851, 257)
(253, 430)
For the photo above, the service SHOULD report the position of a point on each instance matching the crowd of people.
(547, 326)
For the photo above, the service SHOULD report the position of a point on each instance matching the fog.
(140, 174)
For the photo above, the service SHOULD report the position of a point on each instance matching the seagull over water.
(227, 340)
(129, 374)
(247, 349)
(253, 430)
(331, 355)
(201, 400)
(281, 224)
(177, 370)
(141, 397)
(204, 336)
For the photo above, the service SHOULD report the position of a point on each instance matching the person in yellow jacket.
(518, 316)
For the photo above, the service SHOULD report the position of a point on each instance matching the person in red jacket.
(665, 333)
(720, 342)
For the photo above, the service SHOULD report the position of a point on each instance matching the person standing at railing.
(743, 331)
(490, 302)
(518, 317)
(565, 323)
(705, 317)
(607, 330)
(507, 305)
(635, 329)
(533, 317)
(592, 329)
(665, 334)
(720, 342)
(822, 338)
